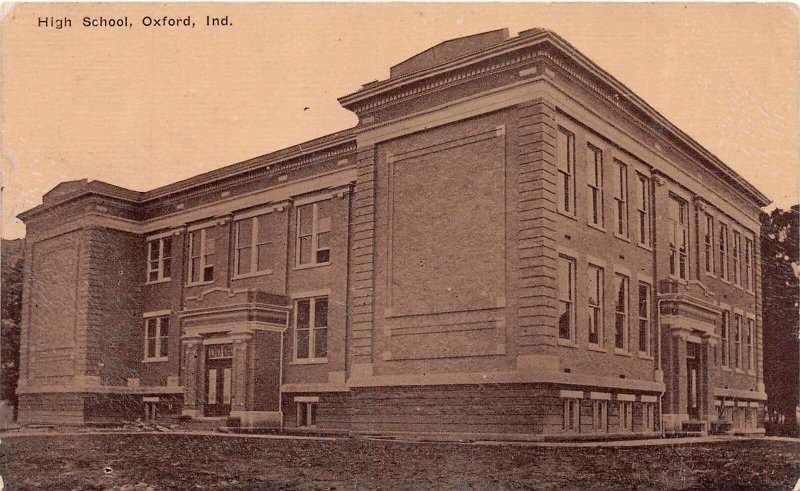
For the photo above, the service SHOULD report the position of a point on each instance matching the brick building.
(509, 241)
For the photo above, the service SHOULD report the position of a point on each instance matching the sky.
(141, 107)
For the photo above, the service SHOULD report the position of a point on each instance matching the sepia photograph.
(400, 246)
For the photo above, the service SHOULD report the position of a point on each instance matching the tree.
(780, 245)
(11, 299)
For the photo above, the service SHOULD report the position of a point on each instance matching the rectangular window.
(311, 329)
(737, 341)
(644, 318)
(202, 245)
(565, 147)
(708, 244)
(566, 297)
(724, 339)
(621, 198)
(306, 414)
(156, 336)
(749, 261)
(749, 338)
(626, 415)
(621, 312)
(572, 415)
(679, 238)
(314, 233)
(595, 288)
(736, 272)
(648, 416)
(643, 210)
(253, 246)
(159, 259)
(723, 251)
(595, 168)
(600, 416)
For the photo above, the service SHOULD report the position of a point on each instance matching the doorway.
(219, 364)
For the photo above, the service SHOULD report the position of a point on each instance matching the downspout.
(653, 229)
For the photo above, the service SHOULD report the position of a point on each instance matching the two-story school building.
(510, 241)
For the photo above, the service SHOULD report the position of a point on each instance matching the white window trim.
(570, 176)
(600, 414)
(683, 205)
(751, 260)
(574, 425)
(644, 207)
(737, 256)
(621, 183)
(158, 316)
(625, 414)
(594, 150)
(751, 367)
(572, 341)
(648, 341)
(160, 260)
(311, 331)
(738, 346)
(724, 267)
(725, 341)
(625, 349)
(308, 404)
(314, 236)
(712, 245)
(600, 306)
(203, 264)
(254, 271)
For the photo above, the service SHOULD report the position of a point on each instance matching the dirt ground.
(178, 461)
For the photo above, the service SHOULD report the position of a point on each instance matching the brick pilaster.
(536, 211)
(362, 271)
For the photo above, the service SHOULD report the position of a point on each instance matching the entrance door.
(692, 375)
(219, 362)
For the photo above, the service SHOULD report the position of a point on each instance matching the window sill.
(645, 247)
(567, 215)
(155, 360)
(622, 237)
(203, 283)
(710, 275)
(567, 343)
(597, 227)
(645, 356)
(594, 347)
(309, 266)
(722, 279)
(309, 361)
(162, 280)
(724, 368)
(252, 275)
(622, 352)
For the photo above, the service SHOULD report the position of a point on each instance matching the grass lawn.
(184, 461)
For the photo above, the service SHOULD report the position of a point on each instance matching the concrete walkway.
(616, 443)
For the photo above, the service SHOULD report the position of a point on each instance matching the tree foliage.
(780, 245)
(11, 299)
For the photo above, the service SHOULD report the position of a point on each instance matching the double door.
(219, 364)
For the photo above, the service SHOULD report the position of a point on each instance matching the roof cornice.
(557, 50)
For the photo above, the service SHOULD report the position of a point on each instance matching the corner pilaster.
(536, 207)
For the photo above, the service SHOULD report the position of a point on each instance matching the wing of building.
(509, 242)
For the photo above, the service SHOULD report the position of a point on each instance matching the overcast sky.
(142, 107)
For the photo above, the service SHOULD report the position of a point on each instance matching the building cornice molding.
(310, 153)
(548, 47)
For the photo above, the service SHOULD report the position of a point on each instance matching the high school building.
(510, 241)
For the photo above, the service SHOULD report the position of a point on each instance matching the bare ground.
(176, 461)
